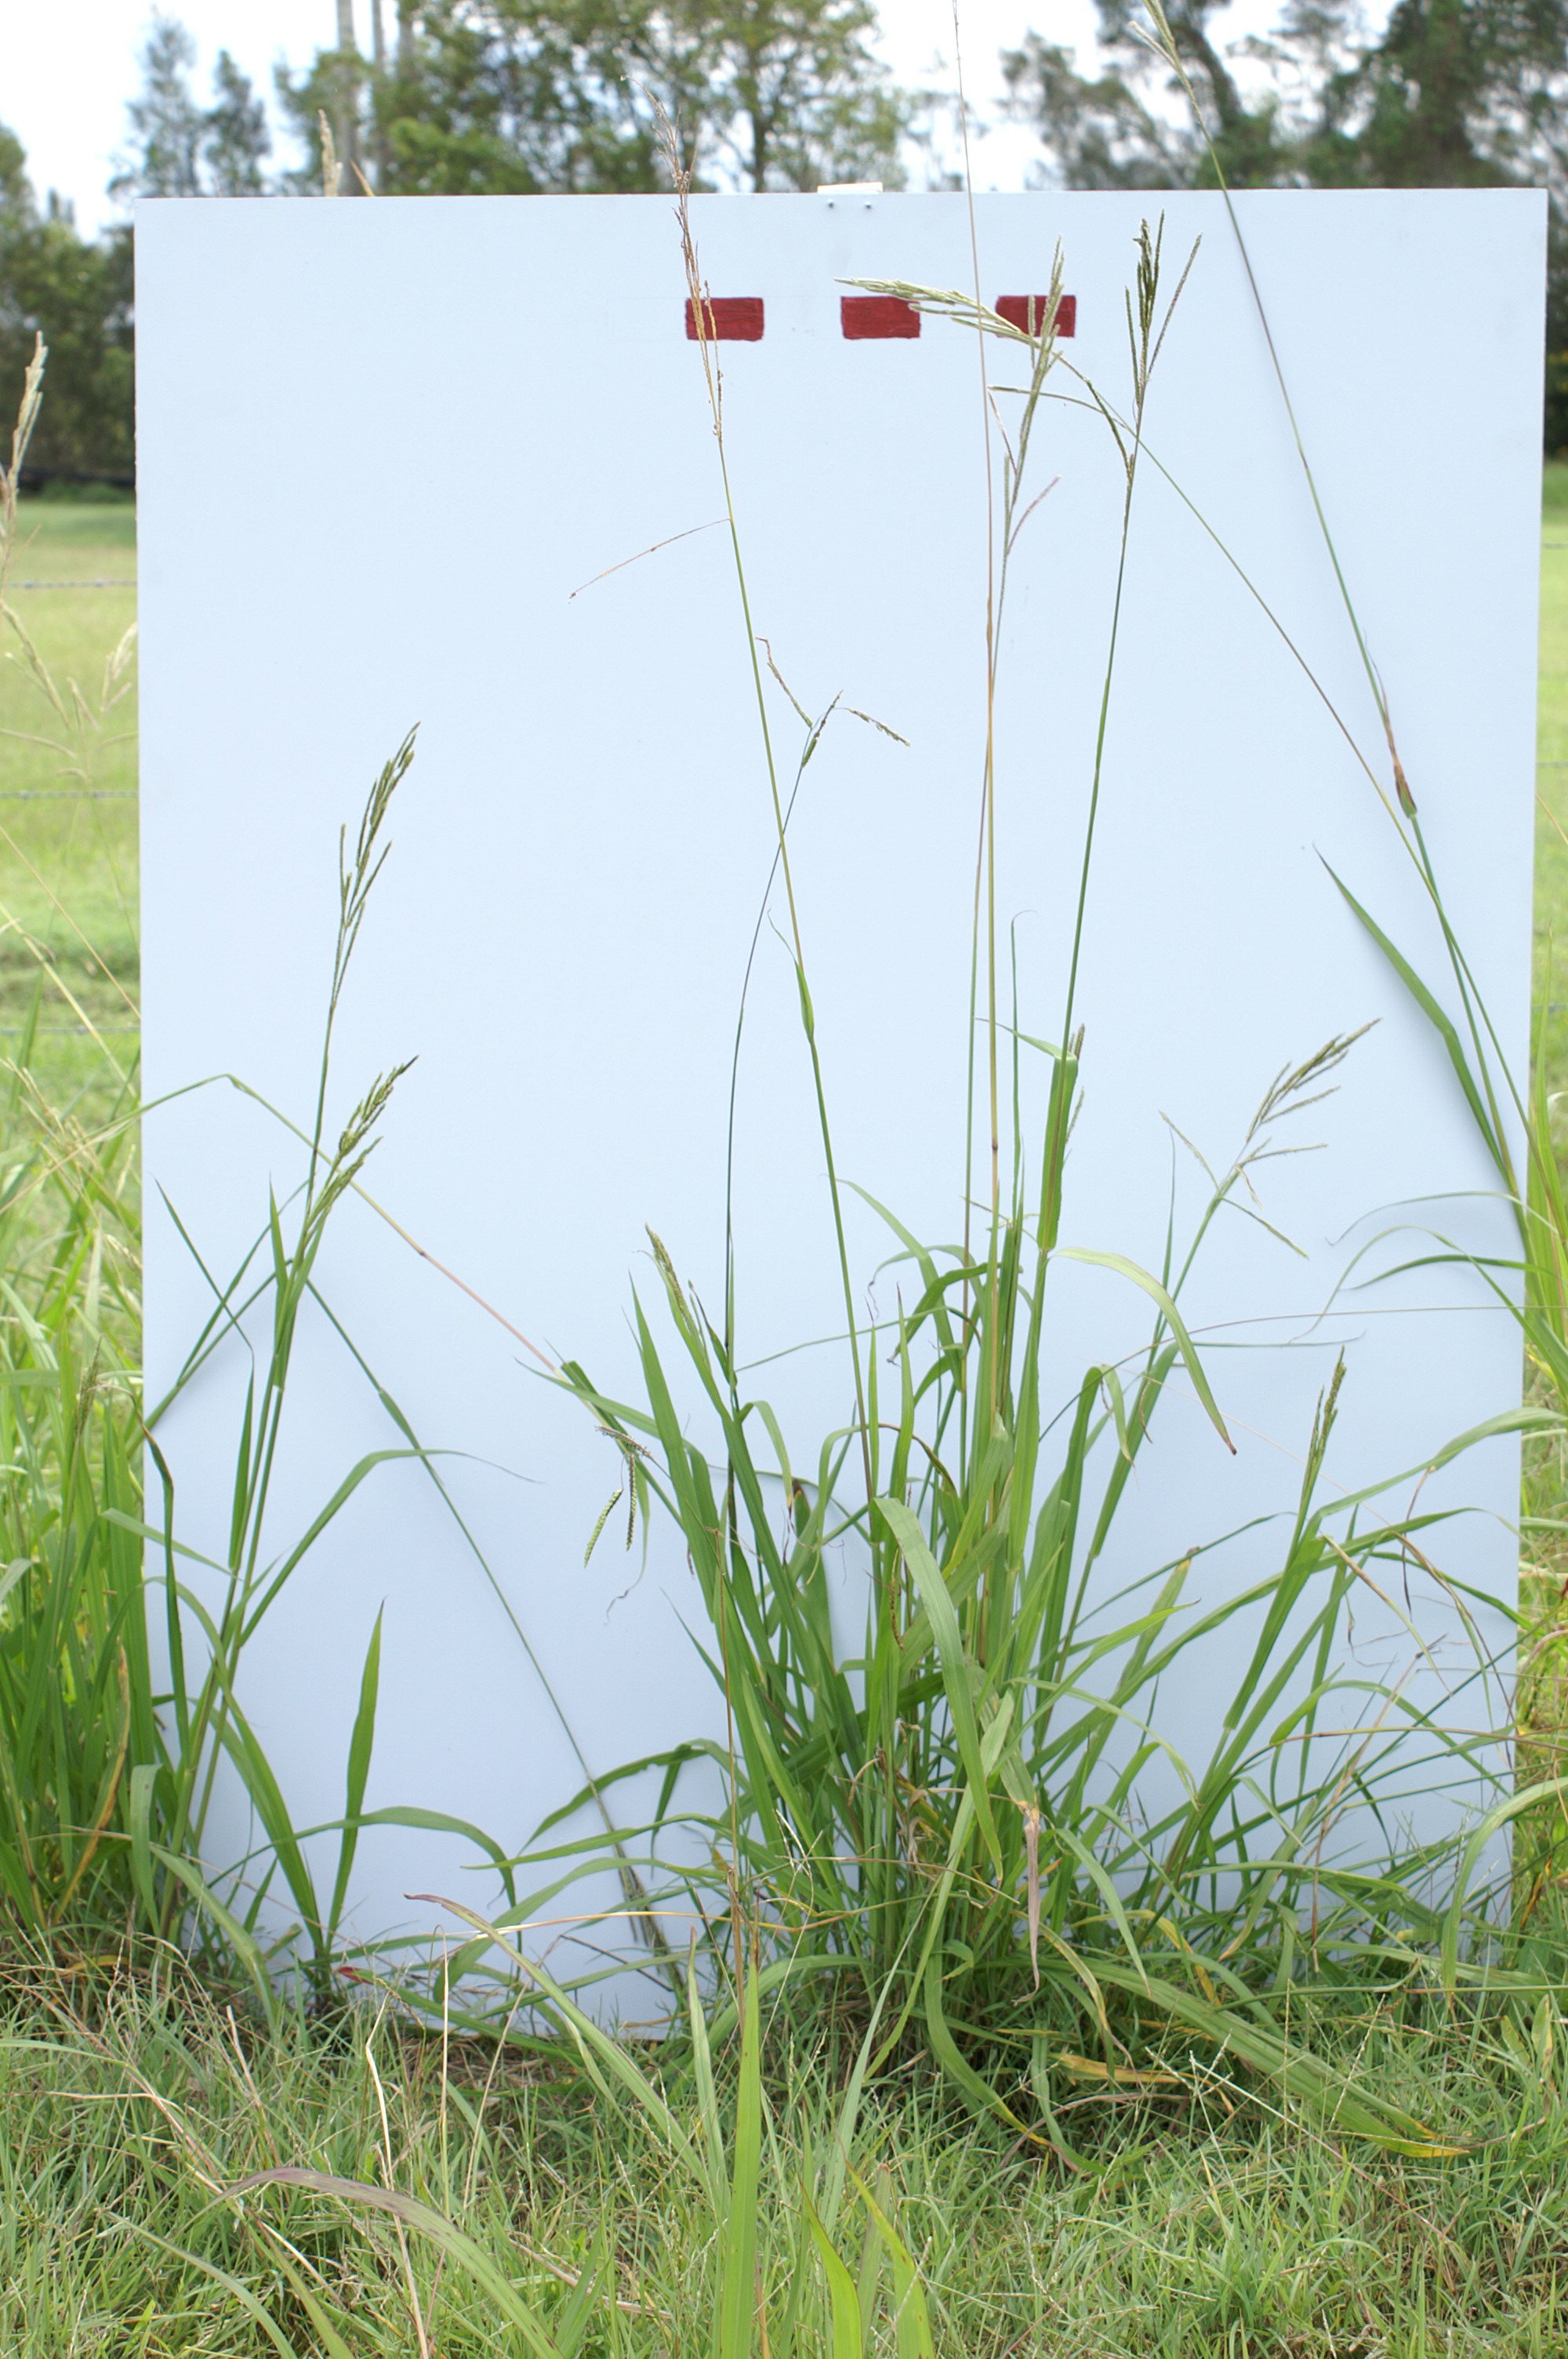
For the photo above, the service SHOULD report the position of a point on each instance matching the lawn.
(1185, 2210)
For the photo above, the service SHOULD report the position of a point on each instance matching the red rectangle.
(730, 319)
(863, 316)
(1028, 313)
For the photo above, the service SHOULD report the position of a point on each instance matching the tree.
(784, 93)
(1458, 94)
(235, 141)
(340, 71)
(166, 122)
(79, 294)
(1453, 93)
(491, 97)
(179, 148)
(527, 95)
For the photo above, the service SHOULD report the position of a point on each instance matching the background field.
(68, 811)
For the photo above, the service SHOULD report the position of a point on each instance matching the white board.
(380, 446)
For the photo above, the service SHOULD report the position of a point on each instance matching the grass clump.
(978, 2054)
(76, 1705)
(964, 1808)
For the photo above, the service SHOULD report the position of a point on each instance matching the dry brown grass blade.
(652, 550)
(331, 169)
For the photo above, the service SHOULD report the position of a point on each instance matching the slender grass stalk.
(699, 298)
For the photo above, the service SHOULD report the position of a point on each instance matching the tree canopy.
(1452, 93)
(79, 294)
(526, 95)
(179, 148)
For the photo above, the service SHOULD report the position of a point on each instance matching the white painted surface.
(380, 445)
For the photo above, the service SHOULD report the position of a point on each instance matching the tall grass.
(209, 1733)
(76, 1701)
(110, 1751)
(964, 1819)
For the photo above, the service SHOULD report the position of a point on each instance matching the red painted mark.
(1028, 313)
(864, 316)
(730, 319)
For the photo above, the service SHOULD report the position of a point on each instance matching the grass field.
(67, 812)
(1208, 2220)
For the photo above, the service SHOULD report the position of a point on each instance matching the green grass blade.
(843, 2294)
(1441, 1025)
(735, 2334)
(360, 1745)
(1166, 1307)
(937, 1602)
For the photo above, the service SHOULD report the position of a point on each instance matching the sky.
(65, 71)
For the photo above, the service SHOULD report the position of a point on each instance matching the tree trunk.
(404, 39)
(346, 111)
(380, 159)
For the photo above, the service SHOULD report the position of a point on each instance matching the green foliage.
(720, 2176)
(1449, 94)
(936, 1821)
(175, 2176)
(164, 119)
(78, 293)
(179, 148)
(76, 1706)
(235, 139)
(1113, 131)
(75, 1688)
(68, 858)
(526, 95)
(1454, 93)
(105, 1787)
(1554, 421)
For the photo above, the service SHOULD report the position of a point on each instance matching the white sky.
(66, 70)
